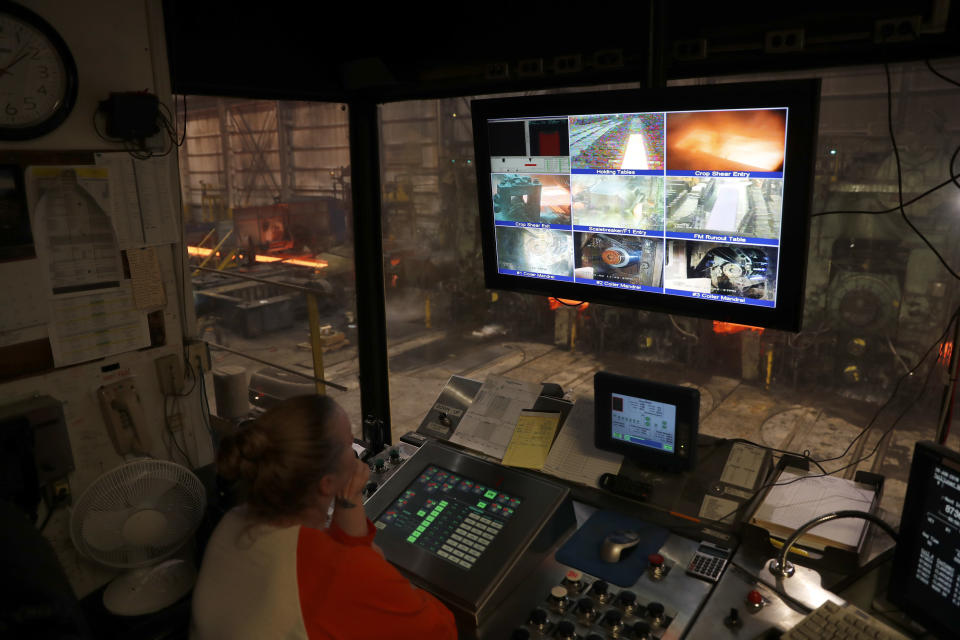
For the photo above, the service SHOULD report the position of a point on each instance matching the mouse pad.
(582, 550)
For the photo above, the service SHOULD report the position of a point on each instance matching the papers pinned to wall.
(145, 277)
(70, 215)
(86, 326)
(144, 206)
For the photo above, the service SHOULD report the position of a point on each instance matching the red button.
(655, 559)
(755, 598)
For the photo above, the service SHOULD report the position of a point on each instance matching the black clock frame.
(69, 69)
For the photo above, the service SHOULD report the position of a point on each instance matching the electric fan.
(134, 517)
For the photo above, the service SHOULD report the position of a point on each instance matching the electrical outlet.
(497, 71)
(530, 67)
(198, 355)
(170, 374)
(902, 29)
(608, 59)
(567, 64)
(784, 41)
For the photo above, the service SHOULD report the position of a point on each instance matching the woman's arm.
(348, 513)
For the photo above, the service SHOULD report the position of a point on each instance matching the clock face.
(37, 76)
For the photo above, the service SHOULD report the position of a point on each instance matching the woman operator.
(275, 568)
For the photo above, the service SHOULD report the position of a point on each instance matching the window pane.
(266, 193)
(876, 297)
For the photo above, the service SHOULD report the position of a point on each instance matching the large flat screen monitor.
(688, 200)
(925, 580)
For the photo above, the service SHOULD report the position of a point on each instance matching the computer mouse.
(618, 544)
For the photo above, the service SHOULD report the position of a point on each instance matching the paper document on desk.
(787, 506)
(574, 456)
(488, 424)
(532, 439)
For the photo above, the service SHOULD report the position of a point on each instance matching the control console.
(467, 530)
(559, 601)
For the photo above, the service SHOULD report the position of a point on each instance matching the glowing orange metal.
(556, 303)
(300, 262)
(730, 327)
(946, 351)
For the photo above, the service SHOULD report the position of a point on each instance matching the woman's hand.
(356, 479)
(348, 511)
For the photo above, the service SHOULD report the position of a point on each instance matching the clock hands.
(23, 55)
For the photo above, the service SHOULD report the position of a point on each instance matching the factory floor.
(826, 425)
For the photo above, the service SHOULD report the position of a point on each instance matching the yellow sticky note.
(531, 439)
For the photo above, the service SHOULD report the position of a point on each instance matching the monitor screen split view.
(678, 203)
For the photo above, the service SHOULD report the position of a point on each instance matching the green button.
(421, 528)
(415, 535)
(482, 505)
(444, 503)
(411, 538)
(490, 495)
(421, 513)
(430, 518)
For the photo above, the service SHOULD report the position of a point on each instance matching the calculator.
(708, 561)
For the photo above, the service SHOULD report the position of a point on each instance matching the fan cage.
(166, 487)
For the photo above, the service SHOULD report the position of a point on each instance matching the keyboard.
(831, 620)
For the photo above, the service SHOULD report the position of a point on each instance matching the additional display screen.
(677, 203)
(650, 423)
(451, 516)
(936, 580)
(643, 422)
(925, 578)
(628, 206)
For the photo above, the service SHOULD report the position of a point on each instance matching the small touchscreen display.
(643, 422)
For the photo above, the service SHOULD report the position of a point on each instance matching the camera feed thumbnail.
(549, 137)
(742, 206)
(531, 198)
(625, 259)
(748, 140)
(721, 269)
(617, 141)
(535, 250)
(625, 202)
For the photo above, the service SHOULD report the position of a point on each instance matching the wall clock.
(38, 77)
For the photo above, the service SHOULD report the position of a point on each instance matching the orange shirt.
(297, 583)
(347, 590)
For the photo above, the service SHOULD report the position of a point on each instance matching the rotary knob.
(394, 456)
(655, 566)
(641, 630)
(558, 598)
(585, 607)
(613, 619)
(573, 580)
(600, 590)
(566, 630)
(379, 465)
(538, 618)
(655, 612)
(628, 601)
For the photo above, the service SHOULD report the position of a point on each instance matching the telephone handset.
(124, 417)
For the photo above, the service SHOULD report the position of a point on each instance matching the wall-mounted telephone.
(123, 414)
